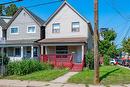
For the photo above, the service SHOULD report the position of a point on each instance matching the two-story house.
(21, 33)
(68, 35)
(3, 22)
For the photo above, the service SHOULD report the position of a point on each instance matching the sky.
(114, 14)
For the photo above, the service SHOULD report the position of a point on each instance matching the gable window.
(56, 28)
(14, 30)
(75, 26)
(31, 29)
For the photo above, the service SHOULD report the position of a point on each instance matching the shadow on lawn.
(105, 75)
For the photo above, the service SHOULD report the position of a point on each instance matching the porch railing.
(58, 59)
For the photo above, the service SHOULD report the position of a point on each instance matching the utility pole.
(96, 56)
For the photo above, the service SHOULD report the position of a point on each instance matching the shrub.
(106, 60)
(25, 67)
(5, 60)
(90, 59)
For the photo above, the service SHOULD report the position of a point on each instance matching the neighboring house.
(3, 22)
(66, 33)
(22, 31)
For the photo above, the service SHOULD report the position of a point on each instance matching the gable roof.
(65, 3)
(2, 23)
(37, 19)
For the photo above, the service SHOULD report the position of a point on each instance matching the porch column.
(82, 52)
(31, 51)
(41, 49)
(21, 51)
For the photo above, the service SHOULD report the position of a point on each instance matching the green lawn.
(108, 75)
(45, 75)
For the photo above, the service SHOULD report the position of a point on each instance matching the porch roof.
(64, 40)
(18, 42)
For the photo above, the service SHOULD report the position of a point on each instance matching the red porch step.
(77, 67)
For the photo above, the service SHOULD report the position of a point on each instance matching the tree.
(107, 48)
(90, 59)
(11, 9)
(126, 45)
(0, 10)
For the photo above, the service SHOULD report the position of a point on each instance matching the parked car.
(114, 62)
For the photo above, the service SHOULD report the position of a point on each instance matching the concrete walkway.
(64, 78)
(18, 83)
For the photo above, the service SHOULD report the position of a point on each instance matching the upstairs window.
(75, 26)
(14, 30)
(31, 29)
(56, 28)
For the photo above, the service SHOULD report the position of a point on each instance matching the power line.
(116, 10)
(36, 5)
(127, 32)
(11, 2)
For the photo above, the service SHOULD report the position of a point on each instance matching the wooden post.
(96, 57)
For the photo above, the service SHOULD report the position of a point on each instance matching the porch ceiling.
(63, 40)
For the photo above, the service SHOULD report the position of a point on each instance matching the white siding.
(65, 17)
(22, 21)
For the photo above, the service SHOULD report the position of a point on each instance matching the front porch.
(70, 56)
(22, 52)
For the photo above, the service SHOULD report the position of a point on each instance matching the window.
(35, 52)
(31, 29)
(14, 52)
(61, 50)
(10, 52)
(17, 52)
(56, 28)
(75, 26)
(14, 30)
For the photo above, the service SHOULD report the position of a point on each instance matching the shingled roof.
(37, 19)
(2, 23)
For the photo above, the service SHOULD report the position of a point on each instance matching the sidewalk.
(18, 83)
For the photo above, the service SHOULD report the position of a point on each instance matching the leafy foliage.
(109, 35)
(8, 10)
(90, 59)
(126, 45)
(106, 60)
(106, 45)
(11, 9)
(0, 10)
(25, 67)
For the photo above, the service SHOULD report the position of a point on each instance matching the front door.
(78, 55)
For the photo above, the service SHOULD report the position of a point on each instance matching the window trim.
(14, 27)
(31, 26)
(72, 26)
(54, 29)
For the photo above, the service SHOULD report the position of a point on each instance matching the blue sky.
(110, 12)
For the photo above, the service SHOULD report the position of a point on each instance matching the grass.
(45, 75)
(108, 75)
